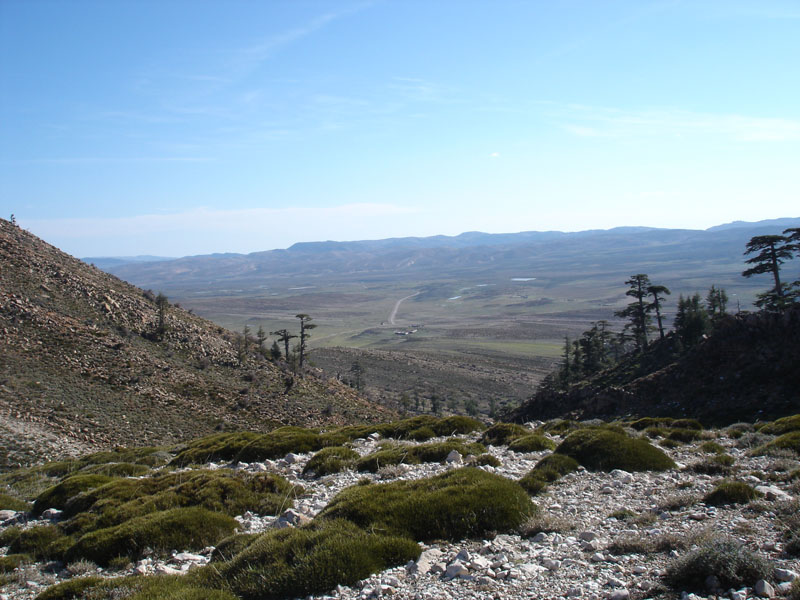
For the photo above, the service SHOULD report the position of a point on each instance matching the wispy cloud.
(588, 121)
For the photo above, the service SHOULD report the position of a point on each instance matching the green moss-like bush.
(41, 542)
(606, 450)
(687, 424)
(73, 589)
(729, 560)
(531, 443)
(248, 446)
(9, 562)
(421, 434)
(331, 460)
(220, 491)
(500, 434)
(291, 563)
(551, 468)
(458, 504)
(667, 443)
(646, 422)
(233, 545)
(712, 448)
(560, 464)
(731, 492)
(117, 470)
(560, 426)
(719, 464)
(684, 435)
(486, 460)
(414, 455)
(9, 502)
(456, 425)
(57, 496)
(781, 426)
(186, 528)
(787, 441)
(160, 587)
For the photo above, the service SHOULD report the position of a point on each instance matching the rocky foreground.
(598, 534)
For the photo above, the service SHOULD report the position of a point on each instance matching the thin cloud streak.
(587, 121)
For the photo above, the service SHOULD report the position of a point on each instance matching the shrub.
(782, 426)
(678, 501)
(560, 426)
(667, 443)
(456, 425)
(186, 528)
(69, 590)
(159, 587)
(787, 441)
(684, 435)
(117, 470)
(531, 443)
(233, 545)
(731, 492)
(712, 448)
(500, 434)
(9, 562)
(8, 502)
(716, 465)
(221, 491)
(606, 450)
(645, 422)
(314, 559)
(421, 434)
(331, 460)
(462, 503)
(550, 468)
(640, 544)
(487, 460)
(57, 496)
(726, 559)
(656, 432)
(545, 523)
(248, 446)
(623, 514)
(414, 455)
(687, 424)
(41, 542)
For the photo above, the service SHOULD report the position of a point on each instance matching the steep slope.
(82, 365)
(747, 370)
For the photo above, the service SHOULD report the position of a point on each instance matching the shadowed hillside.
(747, 369)
(85, 364)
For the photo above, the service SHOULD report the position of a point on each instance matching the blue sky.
(187, 127)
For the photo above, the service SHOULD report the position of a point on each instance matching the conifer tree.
(636, 311)
(770, 251)
(655, 291)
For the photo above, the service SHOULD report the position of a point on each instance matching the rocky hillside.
(84, 365)
(746, 370)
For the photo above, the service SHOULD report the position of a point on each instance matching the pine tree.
(284, 336)
(655, 291)
(636, 311)
(305, 326)
(771, 251)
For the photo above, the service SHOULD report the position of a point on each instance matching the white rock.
(772, 493)
(454, 458)
(165, 570)
(183, 557)
(52, 514)
(551, 564)
(5, 515)
(622, 476)
(539, 537)
(740, 595)
(427, 560)
(764, 589)
(785, 575)
(639, 570)
(292, 458)
(597, 557)
(456, 569)
(587, 536)
(290, 518)
(463, 555)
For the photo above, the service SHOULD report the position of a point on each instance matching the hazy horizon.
(182, 128)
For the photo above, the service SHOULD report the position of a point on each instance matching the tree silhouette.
(771, 251)
(636, 311)
(305, 326)
(655, 291)
(284, 336)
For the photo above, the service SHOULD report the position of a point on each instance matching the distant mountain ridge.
(473, 255)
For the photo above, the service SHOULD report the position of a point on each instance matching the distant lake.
(523, 278)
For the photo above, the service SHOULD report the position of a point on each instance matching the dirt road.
(397, 306)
